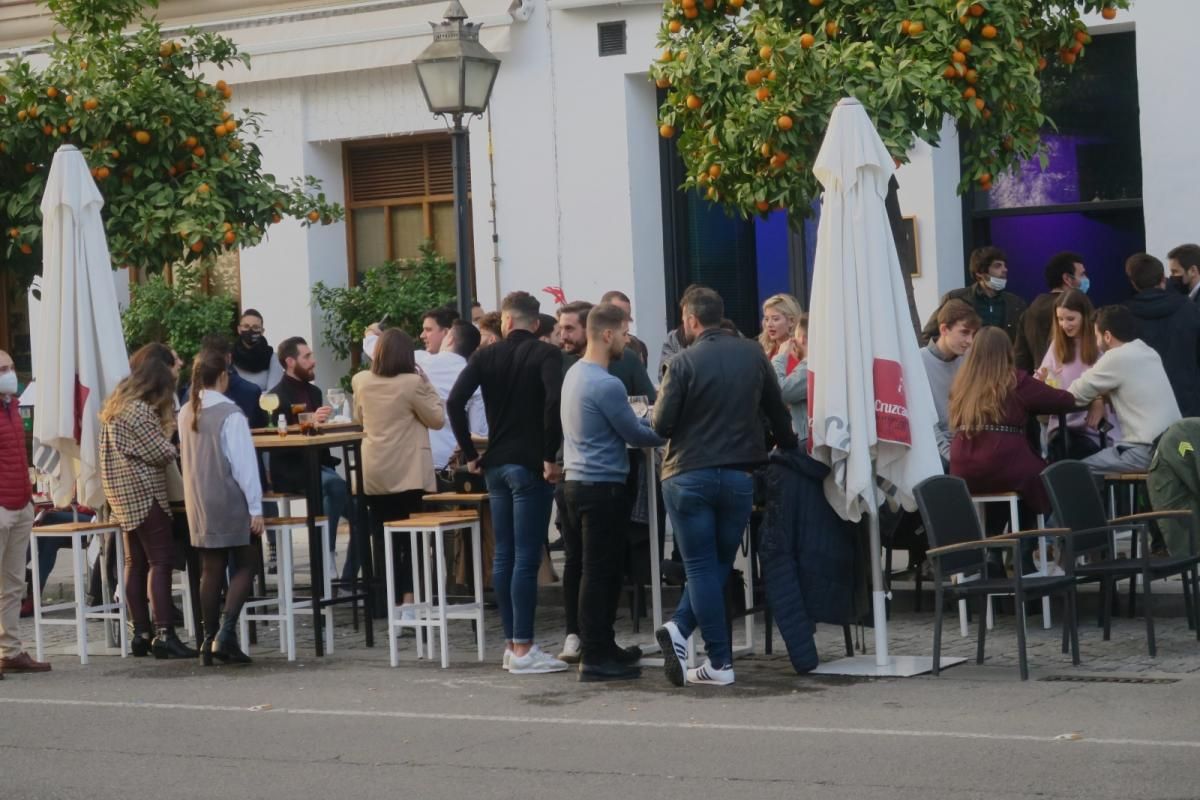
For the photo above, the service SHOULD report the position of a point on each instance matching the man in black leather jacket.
(711, 406)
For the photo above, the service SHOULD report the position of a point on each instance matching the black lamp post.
(456, 74)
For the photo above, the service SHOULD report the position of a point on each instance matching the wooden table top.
(452, 497)
(272, 441)
(328, 427)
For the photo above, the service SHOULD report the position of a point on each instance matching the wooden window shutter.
(401, 170)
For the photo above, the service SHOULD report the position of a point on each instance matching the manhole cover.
(1107, 679)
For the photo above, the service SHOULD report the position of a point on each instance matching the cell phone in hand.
(1104, 426)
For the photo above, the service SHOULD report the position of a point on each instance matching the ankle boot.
(206, 654)
(167, 645)
(225, 647)
(139, 642)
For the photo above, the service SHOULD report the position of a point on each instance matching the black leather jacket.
(713, 401)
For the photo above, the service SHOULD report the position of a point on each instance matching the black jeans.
(572, 572)
(381, 509)
(600, 513)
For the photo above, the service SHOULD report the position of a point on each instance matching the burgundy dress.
(993, 461)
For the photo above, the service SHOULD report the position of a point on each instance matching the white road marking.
(1072, 737)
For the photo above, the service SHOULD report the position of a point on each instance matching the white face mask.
(997, 284)
(368, 346)
(8, 383)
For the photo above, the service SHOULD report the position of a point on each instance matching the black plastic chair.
(1079, 506)
(957, 545)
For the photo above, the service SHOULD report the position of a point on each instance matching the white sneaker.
(535, 662)
(508, 654)
(672, 643)
(570, 651)
(707, 673)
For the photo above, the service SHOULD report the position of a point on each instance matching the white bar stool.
(285, 602)
(1012, 500)
(428, 532)
(284, 502)
(77, 532)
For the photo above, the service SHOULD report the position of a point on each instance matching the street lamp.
(456, 74)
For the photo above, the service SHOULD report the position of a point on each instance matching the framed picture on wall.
(907, 247)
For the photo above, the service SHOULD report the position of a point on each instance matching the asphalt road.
(354, 728)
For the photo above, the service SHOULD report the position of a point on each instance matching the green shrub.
(178, 313)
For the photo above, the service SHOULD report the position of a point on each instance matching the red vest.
(15, 489)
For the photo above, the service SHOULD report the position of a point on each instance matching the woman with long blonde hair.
(990, 404)
(137, 422)
(1072, 350)
(781, 313)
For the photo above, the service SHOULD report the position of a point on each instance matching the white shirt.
(1133, 377)
(238, 448)
(443, 370)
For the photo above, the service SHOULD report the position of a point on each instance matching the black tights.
(241, 561)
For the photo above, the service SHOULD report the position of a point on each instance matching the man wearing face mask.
(1184, 264)
(1171, 325)
(1065, 271)
(16, 522)
(995, 306)
(253, 357)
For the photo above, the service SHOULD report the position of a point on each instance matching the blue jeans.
(520, 503)
(709, 511)
(335, 494)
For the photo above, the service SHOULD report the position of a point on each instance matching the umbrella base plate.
(897, 666)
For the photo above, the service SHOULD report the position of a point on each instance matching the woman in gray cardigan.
(791, 367)
(224, 502)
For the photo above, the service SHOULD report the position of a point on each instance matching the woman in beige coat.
(397, 406)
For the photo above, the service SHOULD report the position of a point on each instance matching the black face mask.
(1176, 283)
(250, 338)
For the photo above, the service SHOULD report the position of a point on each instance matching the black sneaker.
(608, 670)
(626, 655)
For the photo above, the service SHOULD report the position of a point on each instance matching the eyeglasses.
(250, 329)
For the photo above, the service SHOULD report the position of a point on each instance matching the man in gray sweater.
(957, 325)
(598, 428)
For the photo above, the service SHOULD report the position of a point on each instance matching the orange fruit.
(220, 130)
(13, 233)
(675, 26)
(763, 205)
(202, 188)
(763, 93)
(980, 104)
(693, 102)
(226, 226)
(1042, 62)
(916, 28)
(313, 216)
(64, 128)
(199, 152)
(22, 115)
(190, 142)
(666, 131)
(1080, 36)
(784, 123)
(141, 137)
(222, 85)
(754, 77)
(91, 104)
(737, 3)
(807, 40)
(1068, 57)
(988, 32)
(950, 73)
(765, 150)
(905, 27)
(102, 173)
(48, 129)
(958, 57)
(691, 13)
(816, 3)
(1108, 12)
(709, 5)
(765, 52)
(714, 171)
(230, 237)
(970, 93)
(972, 76)
(197, 247)
(26, 249)
(52, 92)
(976, 10)
(663, 83)
(34, 111)
(831, 29)
(665, 56)
(965, 45)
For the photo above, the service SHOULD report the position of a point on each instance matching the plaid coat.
(134, 453)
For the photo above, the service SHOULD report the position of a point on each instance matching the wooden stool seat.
(78, 528)
(277, 522)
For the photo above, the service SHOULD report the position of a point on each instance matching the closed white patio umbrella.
(871, 409)
(80, 353)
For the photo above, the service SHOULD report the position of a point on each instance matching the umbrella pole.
(878, 593)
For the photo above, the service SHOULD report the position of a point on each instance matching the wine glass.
(269, 402)
(337, 398)
(640, 405)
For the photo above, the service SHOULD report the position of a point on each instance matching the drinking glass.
(308, 424)
(269, 402)
(337, 399)
(640, 405)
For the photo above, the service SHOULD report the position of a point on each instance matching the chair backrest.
(950, 518)
(1077, 503)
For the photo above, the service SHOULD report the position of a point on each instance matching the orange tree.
(752, 83)
(178, 167)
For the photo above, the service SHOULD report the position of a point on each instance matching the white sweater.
(1133, 377)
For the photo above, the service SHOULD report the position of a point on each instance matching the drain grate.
(1108, 679)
